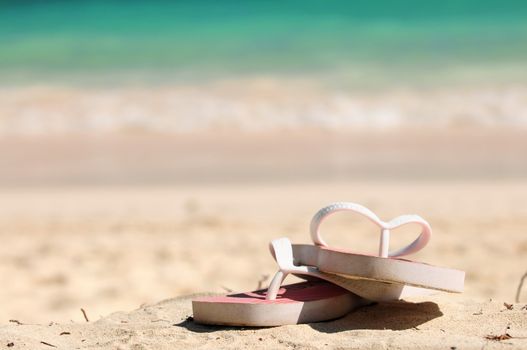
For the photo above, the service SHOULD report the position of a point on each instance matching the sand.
(110, 248)
(435, 324)
(223, 157)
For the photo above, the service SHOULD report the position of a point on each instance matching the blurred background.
(150, 149)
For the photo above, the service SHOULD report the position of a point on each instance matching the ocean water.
(206, 38)
(185, 66)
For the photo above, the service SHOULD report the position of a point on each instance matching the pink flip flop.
(410, 277)
(340, 281)
(319, 299)
(304, 302)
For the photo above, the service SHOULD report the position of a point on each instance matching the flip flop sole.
(383, 270)
(305, 302)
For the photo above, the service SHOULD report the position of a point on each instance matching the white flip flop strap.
(419, 243)
(282, 251)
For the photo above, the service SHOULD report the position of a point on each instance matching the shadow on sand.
(192, 326)
(397, 315)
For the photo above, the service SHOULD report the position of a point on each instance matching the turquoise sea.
(196, 39)
(182, 66)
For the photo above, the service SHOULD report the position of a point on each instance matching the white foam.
(55, 110)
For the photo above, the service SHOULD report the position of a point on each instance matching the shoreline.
(256, 105)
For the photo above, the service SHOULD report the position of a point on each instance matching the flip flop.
(324, 297)
(354, 279)
(304, 302)
(406, 277)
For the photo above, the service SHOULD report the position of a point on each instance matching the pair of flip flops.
(337, 281)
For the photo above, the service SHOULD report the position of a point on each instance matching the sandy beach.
(106, 249)
(453, 324)
(115, 200)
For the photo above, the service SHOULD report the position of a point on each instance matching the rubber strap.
(282, 252)
(386, 227)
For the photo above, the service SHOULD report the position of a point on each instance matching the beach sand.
(436, 324)
(110, 248)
